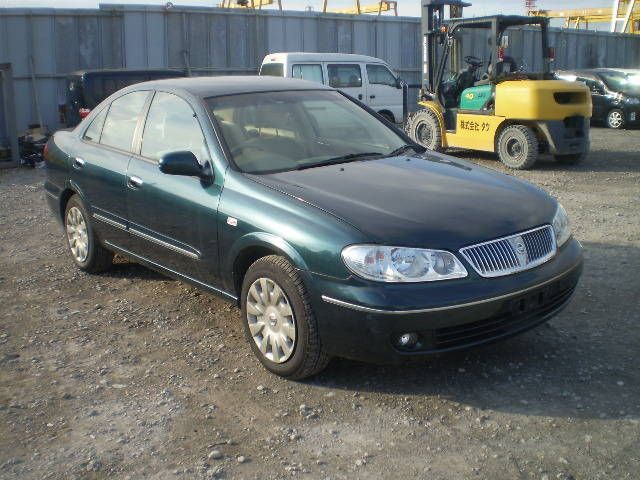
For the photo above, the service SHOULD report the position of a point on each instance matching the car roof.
(229, 85)
(322, 57)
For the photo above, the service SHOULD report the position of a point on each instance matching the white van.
(368, 79)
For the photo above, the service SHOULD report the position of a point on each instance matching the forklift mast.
(432, 17)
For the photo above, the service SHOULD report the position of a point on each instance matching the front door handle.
(359, 96)
(372, 96)
(134, 182)
(78, 163)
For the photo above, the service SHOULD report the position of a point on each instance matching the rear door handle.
(134, 182)
(372, 96)
(359, 96)
(78, 163)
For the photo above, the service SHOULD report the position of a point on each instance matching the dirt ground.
(132, 375)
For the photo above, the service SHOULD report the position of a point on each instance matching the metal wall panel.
(214, 42)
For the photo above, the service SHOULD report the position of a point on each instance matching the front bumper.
(361, 320)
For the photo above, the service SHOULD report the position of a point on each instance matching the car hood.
(428, 200)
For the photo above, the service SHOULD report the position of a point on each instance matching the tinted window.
(93, 132)
(380, 75)
(272, 70)
(121, 120)
(313, 73)
(172, 126)
(341, 76)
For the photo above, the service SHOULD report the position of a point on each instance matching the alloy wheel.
(77, 234)
(271, 320)
(615, 119)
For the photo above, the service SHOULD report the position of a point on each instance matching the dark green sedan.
(334, 233)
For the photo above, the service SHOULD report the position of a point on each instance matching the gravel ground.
(132, 375)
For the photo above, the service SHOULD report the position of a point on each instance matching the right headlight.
(402, 264)
(561, 226)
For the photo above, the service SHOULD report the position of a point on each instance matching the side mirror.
(182, 163)
(399, 83)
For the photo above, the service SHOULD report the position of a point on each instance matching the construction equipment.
(249, 4)
(625, 13)
(357, 9)
(501, 109)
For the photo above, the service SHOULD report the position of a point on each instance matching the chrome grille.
(515, 253)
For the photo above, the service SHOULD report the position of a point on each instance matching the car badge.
(519, 247)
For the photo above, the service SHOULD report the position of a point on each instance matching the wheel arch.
(69, 191)
(508, 122)
(437, 111)
(253, 246)
(388, 114)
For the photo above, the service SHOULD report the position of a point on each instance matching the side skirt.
(171, 273)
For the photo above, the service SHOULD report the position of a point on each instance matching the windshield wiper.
(341, 159)
(404, 148)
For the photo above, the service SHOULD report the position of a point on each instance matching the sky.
(405, 7)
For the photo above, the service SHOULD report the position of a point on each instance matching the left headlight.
(633, 100)
(401, 264)
(561, 226)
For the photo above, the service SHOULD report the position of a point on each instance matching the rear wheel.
(615, 118)
(571, 159)
(423, 127)
(518, 147)
(279, 321)
(84, 247)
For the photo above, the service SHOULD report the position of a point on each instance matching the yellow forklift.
(494, 105)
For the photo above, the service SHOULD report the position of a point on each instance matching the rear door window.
(344, 75)
(272, 69)
(121, 121)
(310, 72)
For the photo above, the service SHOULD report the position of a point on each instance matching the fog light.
(407, 340)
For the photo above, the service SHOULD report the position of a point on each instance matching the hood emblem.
(519, 247)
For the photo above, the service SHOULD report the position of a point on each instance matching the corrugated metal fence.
(215, 41)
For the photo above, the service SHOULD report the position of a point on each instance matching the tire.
(518, 147)
(84, 247)
(423, 127)
(305, 356)
(615, 119)
(572, 159)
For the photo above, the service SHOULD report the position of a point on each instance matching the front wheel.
(615, 119)
(518, 147)
(423, 127)
(279, 321)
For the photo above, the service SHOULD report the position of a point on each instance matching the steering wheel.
(473, 61)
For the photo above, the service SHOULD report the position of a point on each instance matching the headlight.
(400, 264)
(633, 101)
(561, 226)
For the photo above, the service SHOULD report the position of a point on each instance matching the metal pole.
(614, 15)
(35, 91)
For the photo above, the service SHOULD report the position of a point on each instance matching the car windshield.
(620, 82)
(293, 130)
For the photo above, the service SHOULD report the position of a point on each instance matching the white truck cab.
(368, 79)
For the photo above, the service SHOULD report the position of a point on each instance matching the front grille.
(512, 254)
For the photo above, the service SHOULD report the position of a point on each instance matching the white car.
(368, 79)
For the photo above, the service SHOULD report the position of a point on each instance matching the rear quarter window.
(272, 69)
